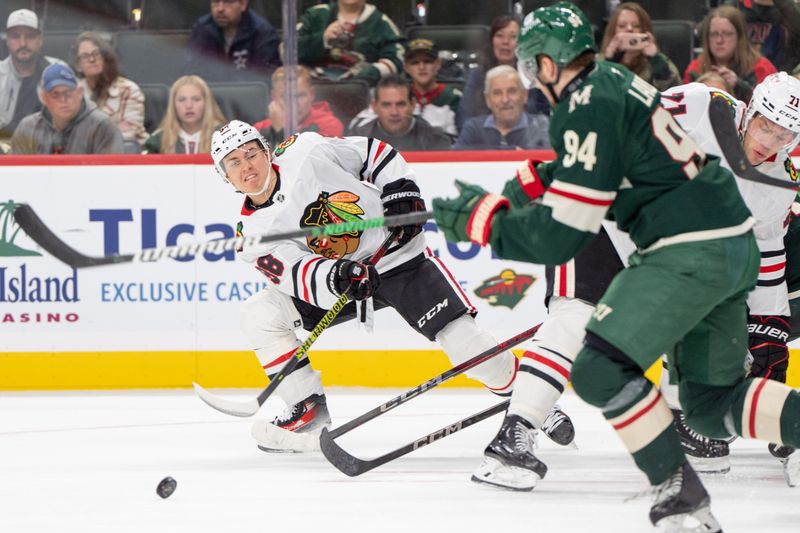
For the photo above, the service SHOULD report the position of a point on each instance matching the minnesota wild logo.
(284, 145)
(333, 208)
(8, 233)
(507, 288)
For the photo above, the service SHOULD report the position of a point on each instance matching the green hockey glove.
(468, 217)
(526, 186)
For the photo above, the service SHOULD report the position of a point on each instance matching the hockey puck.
(166, 487)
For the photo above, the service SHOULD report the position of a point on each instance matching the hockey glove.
(468, 217)
(768, 337)
(526, 186)
(399, 198)
(360, 280)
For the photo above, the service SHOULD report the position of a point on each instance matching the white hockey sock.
(462, 339)
(542, 376)
(298, 385)
(668, 390)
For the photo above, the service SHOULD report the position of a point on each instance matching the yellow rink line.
(156, 370)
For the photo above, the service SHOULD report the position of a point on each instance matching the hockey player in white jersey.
(770, 128)
(311, 181)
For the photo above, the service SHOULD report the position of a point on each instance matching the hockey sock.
(608, 379)
(463, 339)
(302, 382)
(766, 410)
(541, 378)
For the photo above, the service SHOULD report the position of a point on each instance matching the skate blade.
(699, 521)
(493, 472)
(274, 439)
(791, 469)
(710, 465)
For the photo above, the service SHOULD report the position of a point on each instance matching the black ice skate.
(508, 460)
(308, 416)
(682, 504)
(707, 455)
(558, 426)
(790, 459)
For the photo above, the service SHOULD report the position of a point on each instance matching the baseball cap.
(58, 74)
(422, 46)
(23, 17)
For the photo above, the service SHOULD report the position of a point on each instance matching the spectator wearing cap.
(232, 42)
(349, 39)
(508, 126)
(21, 71)
(395, 123)
(435, 102)
(311, 115)
(67, 124)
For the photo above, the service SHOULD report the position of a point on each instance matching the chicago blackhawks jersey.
(619, 152)
(769, 205)
(323, 180)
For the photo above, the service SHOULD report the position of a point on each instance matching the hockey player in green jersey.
(620, 154)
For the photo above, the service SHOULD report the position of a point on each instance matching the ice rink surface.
(90, 462)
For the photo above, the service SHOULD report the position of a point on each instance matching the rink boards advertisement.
(178, 320)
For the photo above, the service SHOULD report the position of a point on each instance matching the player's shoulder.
(791, 170)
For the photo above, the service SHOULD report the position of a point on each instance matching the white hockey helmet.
(777, 98)
(230, 137)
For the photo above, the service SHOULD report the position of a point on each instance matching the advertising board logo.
(507, 288)
(9, 231)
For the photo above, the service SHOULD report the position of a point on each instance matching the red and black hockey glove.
(360, 278)
(768, 337)
(526, 186)
(399, 198)
(468, 217)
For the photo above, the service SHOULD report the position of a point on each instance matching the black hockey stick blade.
(37, 230)
(722, 122)
(353, 466)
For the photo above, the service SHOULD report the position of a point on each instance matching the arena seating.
(152, 56)
(156, 98)
(676, 39)
(450, 12)
(245, 101)
(346, 98)
(85, 14)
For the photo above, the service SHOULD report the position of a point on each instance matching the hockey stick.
(353, 466)
(37, 230)
(251, 407)
(338, 457)
(719, 113)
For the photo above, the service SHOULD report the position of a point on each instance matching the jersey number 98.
(270, 267)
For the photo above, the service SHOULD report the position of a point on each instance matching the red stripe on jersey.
(305, 271)
(772, 268)
(580, 198)
(639, 414)
(378, 152)
(280, 359)
(562, 280)
(754, 408)
(547, 362)
(453, 281)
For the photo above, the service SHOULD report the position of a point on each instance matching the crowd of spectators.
(420, 99)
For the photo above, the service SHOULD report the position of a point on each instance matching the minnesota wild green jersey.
(620, 154)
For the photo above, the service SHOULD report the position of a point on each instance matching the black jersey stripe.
(539, 374)
(771, 282)
(296, 279)
(303, 362)
(382, 164)
(774, 253)
(366, 159)
(548, 350)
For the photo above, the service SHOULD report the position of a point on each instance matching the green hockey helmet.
(561, 32)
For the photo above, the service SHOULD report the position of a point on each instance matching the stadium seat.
(449, 12)
(346, 98)
(85, 14)
(676, 39)
(156, 99)
(152, 57)
(676, 9)
(58, 43)
(172, 14)
(245, 101)
(465, 38)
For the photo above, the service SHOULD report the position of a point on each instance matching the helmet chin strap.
(551, 86)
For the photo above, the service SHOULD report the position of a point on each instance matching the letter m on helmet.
(561, 32)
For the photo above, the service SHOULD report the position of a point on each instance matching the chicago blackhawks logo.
(333, 208)
(508, 288)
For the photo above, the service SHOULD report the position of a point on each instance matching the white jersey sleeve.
(324, 180)
(769, 205)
